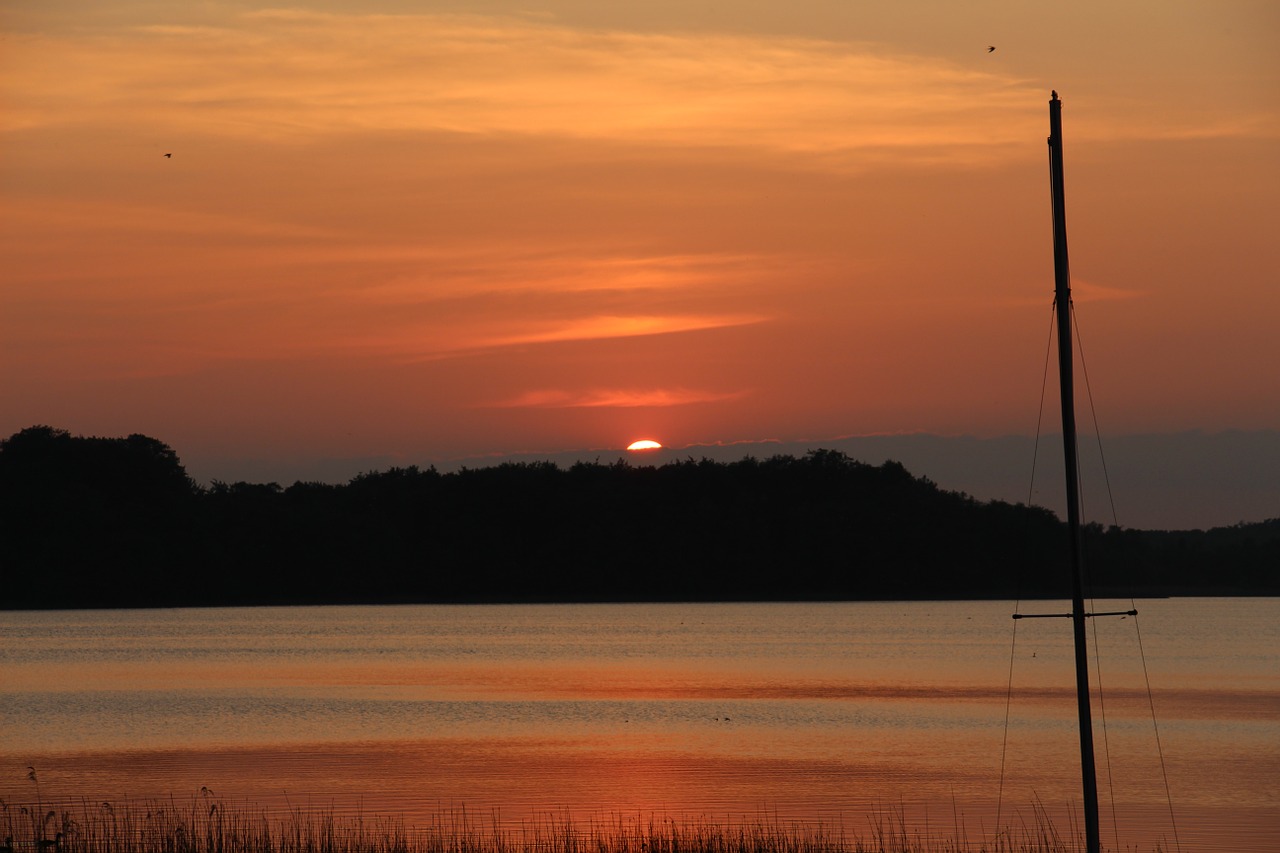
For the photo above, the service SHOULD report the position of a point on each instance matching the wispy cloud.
(468, 272)
(614, 398)
(1082, 290)
(293, 74)
(1090, 291)
(596, 328)
(474, 334)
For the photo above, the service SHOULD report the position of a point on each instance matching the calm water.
(814, 712)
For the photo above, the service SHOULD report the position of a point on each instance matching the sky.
(398, 232)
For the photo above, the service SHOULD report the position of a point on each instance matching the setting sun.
(644, 444)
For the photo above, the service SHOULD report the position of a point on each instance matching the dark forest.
(117, 522)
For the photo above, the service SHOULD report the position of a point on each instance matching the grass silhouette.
(208, 824)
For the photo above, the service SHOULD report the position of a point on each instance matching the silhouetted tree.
(94, 522)
(93, 519)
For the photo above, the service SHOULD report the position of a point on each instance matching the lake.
(823, 712)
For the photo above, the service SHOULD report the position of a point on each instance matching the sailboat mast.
(1062, 298)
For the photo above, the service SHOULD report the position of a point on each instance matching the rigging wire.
(1004, 744)
(1106, 742)
(1097, 653)
(1044, 384)
(1155, 727)
(1017, 605)
(1093, 411)
(1097, 648)
(1136, 629)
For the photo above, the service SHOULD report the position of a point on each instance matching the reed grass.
(207, 824)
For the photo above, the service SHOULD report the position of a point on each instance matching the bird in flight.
(168, 155)
(990, 48)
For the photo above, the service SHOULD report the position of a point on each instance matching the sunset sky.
(409, 232)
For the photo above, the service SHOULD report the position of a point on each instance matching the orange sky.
(424, 230)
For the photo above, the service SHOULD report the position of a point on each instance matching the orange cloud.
(271, 74)
(1088, 291)
(468, 272)
(595, 328)
(614, 398)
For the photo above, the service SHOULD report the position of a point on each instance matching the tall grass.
(210, 825)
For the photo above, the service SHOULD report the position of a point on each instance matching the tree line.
(117, 522)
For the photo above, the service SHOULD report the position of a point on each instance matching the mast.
(1062, 299)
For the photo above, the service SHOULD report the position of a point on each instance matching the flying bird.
(168, 155)
(990, 48)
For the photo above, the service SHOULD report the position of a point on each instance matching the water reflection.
(812, 711)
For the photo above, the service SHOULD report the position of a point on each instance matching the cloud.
(466, 303)
(595, 328)
(1088, 291)
(299, 75)
(437, 336)
(469, 272)
(121, 220)
(613, 398)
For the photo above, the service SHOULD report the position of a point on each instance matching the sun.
(644, 444)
